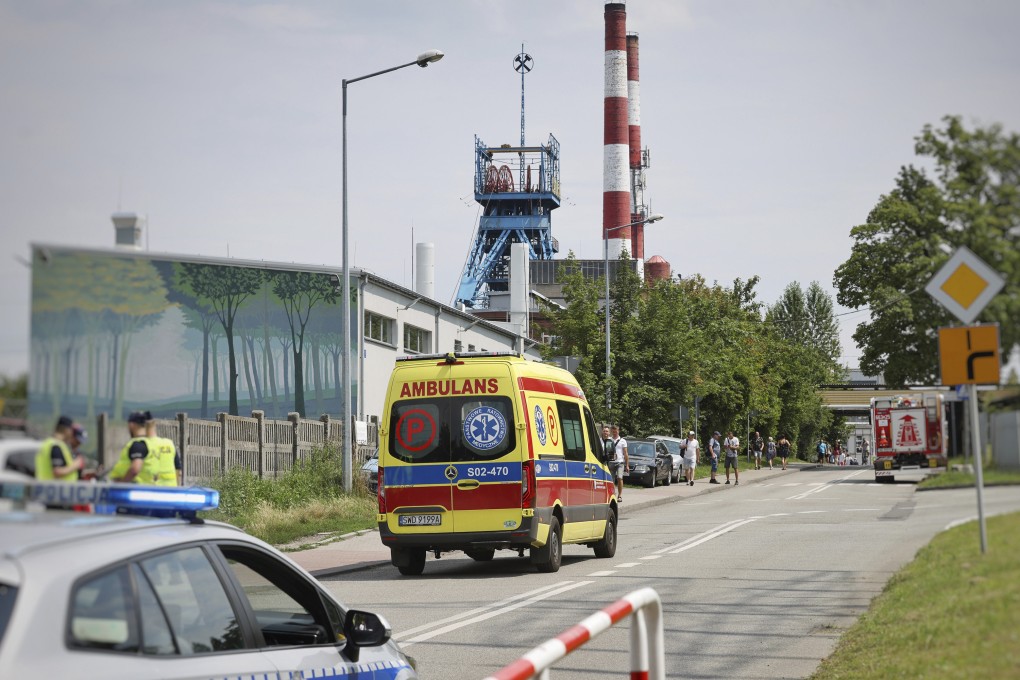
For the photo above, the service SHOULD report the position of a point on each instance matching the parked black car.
(650, 462)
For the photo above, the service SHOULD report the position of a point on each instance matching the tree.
(973, 200)
(299, 292)
(224, 289)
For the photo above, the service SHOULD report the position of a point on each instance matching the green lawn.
(951, 613)
(954, 479)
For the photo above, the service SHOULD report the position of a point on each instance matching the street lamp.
(609, 368)
(423, 60)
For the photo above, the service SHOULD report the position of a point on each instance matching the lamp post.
(423, 60)
(605, 250)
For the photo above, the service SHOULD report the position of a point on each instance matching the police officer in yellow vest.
(55, 460)
(168, 469)
(139, 459)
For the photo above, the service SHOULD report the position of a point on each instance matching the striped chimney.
(634, 120)
(615, 179)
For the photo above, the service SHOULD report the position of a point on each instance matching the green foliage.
(14, 388)
(678, 341)
(245, 499)
(972, 200)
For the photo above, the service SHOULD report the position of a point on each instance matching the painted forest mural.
(115, 332)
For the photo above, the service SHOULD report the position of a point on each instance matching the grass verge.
(951, 613)
(302, 502)
(955, 479)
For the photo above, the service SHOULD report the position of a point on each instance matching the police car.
(126, 596)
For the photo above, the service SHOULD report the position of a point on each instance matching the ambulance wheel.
(481, 554)
(548, 557)
(413, 562)
(607, 546)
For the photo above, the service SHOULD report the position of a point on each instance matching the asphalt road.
(757, 580)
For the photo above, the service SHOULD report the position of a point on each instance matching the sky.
(773, 127)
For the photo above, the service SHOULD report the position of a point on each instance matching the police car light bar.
(128, 496)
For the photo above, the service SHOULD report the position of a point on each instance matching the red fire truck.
(909, 434)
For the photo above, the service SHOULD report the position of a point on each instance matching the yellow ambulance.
(490, 451)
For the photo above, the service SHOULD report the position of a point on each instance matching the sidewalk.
(364, 550)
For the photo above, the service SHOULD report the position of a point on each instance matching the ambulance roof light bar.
(185, 501)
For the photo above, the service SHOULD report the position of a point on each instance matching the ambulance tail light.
(528, 484)
(381, 492)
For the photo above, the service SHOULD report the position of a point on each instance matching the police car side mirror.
(364, 629)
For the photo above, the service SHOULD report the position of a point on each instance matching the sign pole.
(978, 458)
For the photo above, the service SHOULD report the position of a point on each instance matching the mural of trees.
(216, 337)
(224, 289)
(299, 292)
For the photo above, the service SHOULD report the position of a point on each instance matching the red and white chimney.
(616, 202)
(637, 206)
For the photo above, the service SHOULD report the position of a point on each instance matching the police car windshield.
(452, 429)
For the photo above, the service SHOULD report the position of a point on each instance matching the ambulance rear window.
(452, 429)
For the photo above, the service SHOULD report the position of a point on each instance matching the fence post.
(327, 425)
(295, 419)
(222, 419)
(101, 439)
(182, 445)
(260, 421)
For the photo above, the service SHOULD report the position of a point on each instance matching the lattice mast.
(514, 210)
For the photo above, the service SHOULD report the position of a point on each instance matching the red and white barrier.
(647, 646)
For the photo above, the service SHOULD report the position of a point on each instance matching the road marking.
(609, 572)
(710, 536)
(479, 610)
(503, 608)
(696, 537)
(809, 512)
(627, 565)
(825, 486)
(958, 522)
(650, 557)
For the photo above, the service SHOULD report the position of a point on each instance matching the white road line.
(695, 538)
(628, 565)
(958, 522)
(650, 557)
(711, 536)
(479, 610)
(489, 614)
(609, 572)
(809, 512)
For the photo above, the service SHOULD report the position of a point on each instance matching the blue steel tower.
(515, 209)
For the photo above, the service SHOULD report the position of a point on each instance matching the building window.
(416, 340)
(379, 328)
(458, 346)
(471, 348)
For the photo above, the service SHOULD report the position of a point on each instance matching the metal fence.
(264, 446)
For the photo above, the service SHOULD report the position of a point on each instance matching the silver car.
(121, 596)
(675, 447)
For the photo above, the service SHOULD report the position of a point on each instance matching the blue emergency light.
(113, 495)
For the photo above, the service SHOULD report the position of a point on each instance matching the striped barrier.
(647, 648)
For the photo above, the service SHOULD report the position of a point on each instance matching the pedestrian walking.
(732, 445)
(757, 446)
(168, 466)
(690, 457)
(770, 452)
(867, 450)
(821, 448)
(784, 449)
(55, 460)
(715, 450)
(622, 459)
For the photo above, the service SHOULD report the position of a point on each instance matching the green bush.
(316, 478)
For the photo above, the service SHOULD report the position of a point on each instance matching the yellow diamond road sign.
(965, 285)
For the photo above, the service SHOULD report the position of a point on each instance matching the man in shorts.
(690, 457)
(758, 446)
(622, 459)
(732, 457)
